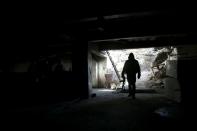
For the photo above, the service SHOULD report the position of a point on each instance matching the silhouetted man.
(131, 68)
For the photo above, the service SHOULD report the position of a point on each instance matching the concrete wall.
(102, 71)
(187, 64)
(187, 52)
(90, 72)
(67, 63)
(21, 67)
(95, 73)
(180, 82)
(96, 69)
(172, 87)
(23, 87)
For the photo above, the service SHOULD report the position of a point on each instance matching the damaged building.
(62, 68)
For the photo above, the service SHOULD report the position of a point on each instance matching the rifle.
(123, 84)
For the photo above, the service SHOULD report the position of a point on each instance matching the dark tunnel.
(54, 70)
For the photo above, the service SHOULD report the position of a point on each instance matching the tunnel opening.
(158, 71)
(161, 91)
(152, 62)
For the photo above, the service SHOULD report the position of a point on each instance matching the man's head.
(131, 56)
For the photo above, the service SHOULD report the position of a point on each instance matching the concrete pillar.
(171, 82)
(187, 64)
(80, 68)
(188, 80)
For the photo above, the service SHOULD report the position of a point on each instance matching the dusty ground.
(109, 110)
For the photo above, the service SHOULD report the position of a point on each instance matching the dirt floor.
(108, 110)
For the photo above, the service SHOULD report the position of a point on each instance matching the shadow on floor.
(139, 91)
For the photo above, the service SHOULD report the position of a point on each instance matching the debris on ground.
(168, 112)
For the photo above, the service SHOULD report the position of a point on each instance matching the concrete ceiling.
(52, 29)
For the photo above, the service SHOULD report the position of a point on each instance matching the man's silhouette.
(131, 68)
